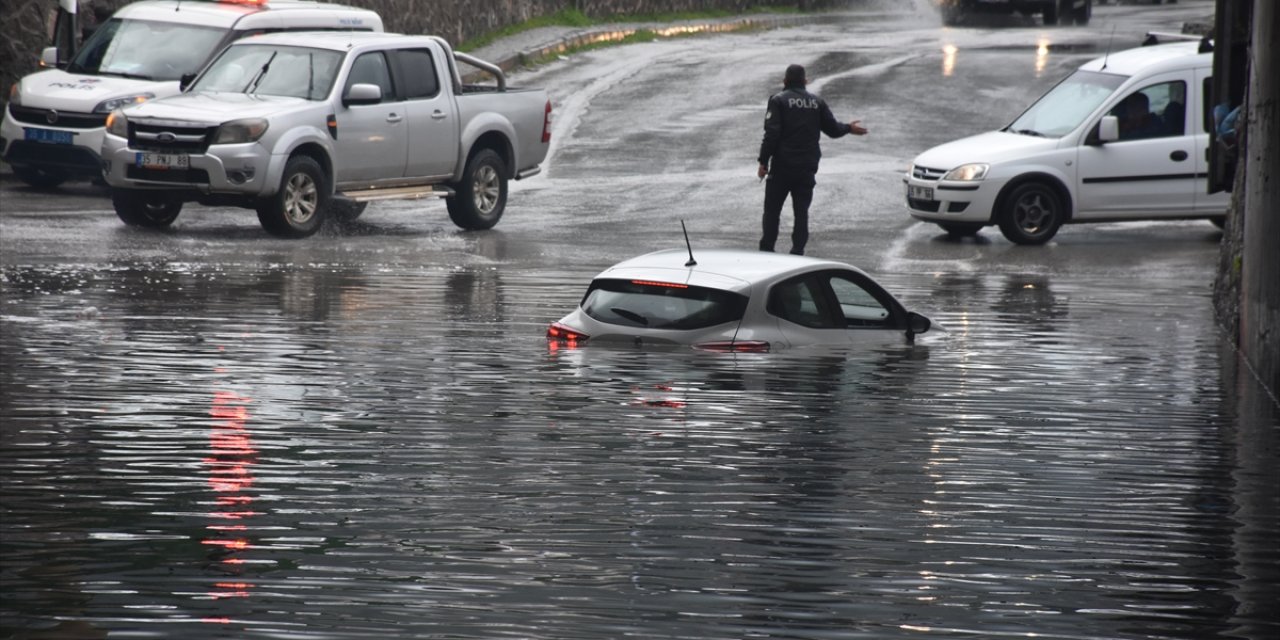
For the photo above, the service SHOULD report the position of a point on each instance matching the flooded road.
(212, 433)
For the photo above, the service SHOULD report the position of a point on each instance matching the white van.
(53, 126)
(1122, 138)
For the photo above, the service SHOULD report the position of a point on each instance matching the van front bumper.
(949, 201)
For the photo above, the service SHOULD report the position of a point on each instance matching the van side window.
(417, 73)
(1156, 111)
(1207, 107)
(371, 68)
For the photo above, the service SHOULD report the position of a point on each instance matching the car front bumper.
(35, 142)
(935, 200)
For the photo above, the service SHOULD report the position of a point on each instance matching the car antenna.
(1108, 53)
(691, 262)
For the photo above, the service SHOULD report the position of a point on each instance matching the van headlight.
(968, 172)
(241, 131)
(117, 124)
(107, 106)
(15, 94)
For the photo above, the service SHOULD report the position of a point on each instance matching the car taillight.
(564, 333)
(546, 123)
(734, 346)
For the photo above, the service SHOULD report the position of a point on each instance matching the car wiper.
(1030, 132)
(631, 315)
(257, 77)
(123, 74)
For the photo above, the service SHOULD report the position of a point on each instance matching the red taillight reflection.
(653, 283)
(546, 124)
(734, 346)
(564, 333)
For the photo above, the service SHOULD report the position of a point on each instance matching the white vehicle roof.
(336, 40)
(729, 269)
(1151, 59)
(248, 14)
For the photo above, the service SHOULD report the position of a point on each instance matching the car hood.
(57, 89)
(213, 108)
(991, 147)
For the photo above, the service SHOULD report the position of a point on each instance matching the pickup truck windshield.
(272, 70)
(147, 50)
(1065, 106)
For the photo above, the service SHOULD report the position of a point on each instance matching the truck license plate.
(919, 193)
(163, 160)
(50, 136)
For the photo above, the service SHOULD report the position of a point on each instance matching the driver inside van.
(1136, 120)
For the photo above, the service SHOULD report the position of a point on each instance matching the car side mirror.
(1108, 129)
(185, 81)
(49, 57)
(362, 94)
(917, 323)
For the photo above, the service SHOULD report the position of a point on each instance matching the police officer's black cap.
(795, 75)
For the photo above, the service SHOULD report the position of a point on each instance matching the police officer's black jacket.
(791, 130)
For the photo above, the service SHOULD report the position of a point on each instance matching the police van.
(53, 125)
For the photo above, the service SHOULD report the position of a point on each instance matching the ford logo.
(51, 117)
(166, 137)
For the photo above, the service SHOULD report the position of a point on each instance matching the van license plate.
(164, 160)
(50, 136)
(919, 193)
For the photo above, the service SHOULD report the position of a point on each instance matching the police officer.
(789, 155)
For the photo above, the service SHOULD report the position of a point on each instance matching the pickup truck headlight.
(117, 124)
(968, 172)
(107, 106)
(241, 131)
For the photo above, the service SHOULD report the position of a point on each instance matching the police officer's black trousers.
(776, 189)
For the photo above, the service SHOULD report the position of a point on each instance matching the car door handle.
(394, 118)
(438, 115)
(1178, 156)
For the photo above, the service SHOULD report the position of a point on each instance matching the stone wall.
(26, 28)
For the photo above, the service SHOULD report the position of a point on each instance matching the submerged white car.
(736, 301)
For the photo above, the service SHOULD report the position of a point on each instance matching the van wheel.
(482, 194)
(150, 209)
(1032, 214)
(41, 178)
(1219, 221)
(961, 229)
(297, 210)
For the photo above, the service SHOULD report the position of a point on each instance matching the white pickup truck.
(304, 126)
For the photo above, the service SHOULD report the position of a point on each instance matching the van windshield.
(272, 70)
(1065, 106)
(146, 49)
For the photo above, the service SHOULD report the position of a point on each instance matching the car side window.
(1155, 111)
(371, 68)
(800, 301)
(417, 73)
(859, 307)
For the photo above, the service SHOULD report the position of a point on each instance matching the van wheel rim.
(1032, 214)
(486, 188)
(301, 198)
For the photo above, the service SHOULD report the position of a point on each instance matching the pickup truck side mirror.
(185, 81)
(49, 57)
(1108, 129)
(362, 94)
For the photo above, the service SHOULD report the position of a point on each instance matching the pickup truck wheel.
(1032, 214)
(40, 178)
(961, 229)
(151, 209)
(346, 210)
(297, 210)
(482, 194)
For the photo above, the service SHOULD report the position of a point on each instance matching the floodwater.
(322, 451)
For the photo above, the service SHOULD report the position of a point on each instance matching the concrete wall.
(24, 32)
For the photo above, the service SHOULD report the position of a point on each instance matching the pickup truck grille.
(53, 117)
(170, 137)
(927, 173)
(189, 176)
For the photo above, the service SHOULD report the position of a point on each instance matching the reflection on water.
(338, 452)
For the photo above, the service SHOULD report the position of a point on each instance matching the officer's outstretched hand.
(857, 129)
(762, 172)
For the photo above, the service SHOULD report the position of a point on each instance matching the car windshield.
(273, 70)
(1065, 106)
(146, 49)
(660, 305)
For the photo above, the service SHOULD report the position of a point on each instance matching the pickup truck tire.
(297, 210)
(482, 194)
(347, 211)
(150, 209)
(1032, 213)
(40, 178)
(961, 229)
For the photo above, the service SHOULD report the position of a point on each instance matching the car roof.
(338, 40)
(226, 14)
(728, 269)
(1151, 59)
